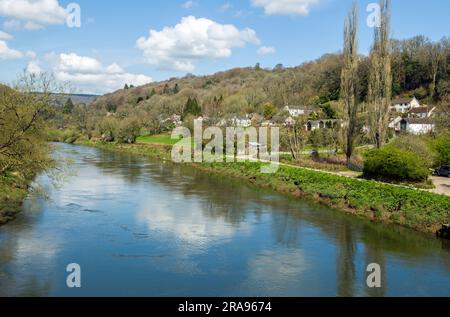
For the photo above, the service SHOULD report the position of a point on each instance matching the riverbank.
(13, 190)
(415, 209)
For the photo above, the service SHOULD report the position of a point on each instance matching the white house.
(297, 111)
(396, 124)
(404, 105)
(421, 112)
(243, 122)
(417, 126)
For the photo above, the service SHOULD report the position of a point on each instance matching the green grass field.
(157, 139)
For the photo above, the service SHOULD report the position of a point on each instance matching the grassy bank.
(13, 190)
(419, 210)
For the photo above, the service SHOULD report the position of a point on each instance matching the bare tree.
(436, 57)
(349, 80)
(296, 138)
(380, 78)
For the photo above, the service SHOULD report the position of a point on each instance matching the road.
(442, 185)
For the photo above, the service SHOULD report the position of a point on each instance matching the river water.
(139, 227)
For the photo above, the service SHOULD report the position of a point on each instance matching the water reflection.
(150, 228)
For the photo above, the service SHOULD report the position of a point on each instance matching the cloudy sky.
(138, 41)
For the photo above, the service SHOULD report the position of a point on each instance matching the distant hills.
(82, 98)
(76, 98)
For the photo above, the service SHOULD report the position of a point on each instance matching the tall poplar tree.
(349, 80)
(380, 78)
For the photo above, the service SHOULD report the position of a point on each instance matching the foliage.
(68, 106)
(127, 131)
(409, 207)
(441, 145)
(419, 145)
(23, 114)
(393, 164)
(107, 129)
(269, 111)
(111, 107)
(329, 111)
(192, 107)
(66, 136)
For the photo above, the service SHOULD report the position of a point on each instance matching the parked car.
(443, 171)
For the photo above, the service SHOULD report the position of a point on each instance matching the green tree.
(329, 111)
(441, 146)
(152, 93)
(107, 129)
(166, 89)
(269, 111)
(192, 107)
(24, 112)
(176, 89)
(127, 131)
(111, 107)
(68, 106)
(417, 145)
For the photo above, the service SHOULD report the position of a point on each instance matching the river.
(139, 227)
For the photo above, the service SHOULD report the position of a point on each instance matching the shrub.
(393, 164)
(441, 145)
(66, 136)
(128, 130)
(107, 128)
(417, 145)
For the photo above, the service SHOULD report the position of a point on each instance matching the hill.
(420, 69)
(83, 98)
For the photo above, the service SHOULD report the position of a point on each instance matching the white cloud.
(299, 7)
(32, 14)
(12, 25)
(5, 36)
(265, 50)
(34, 67)
(30, 54)
(192, 39)
(88, 75)
(73, 62)
(114, 69)
(32, 26)
(8, 53)
(189, 4)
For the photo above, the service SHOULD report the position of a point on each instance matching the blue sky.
(198, 36)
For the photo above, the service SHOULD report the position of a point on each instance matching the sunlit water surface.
(147, 228)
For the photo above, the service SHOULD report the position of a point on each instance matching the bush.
(418, 145)
(107, 128)
(66, 136)
(393, 164)
(128, 130)
(441, 145)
